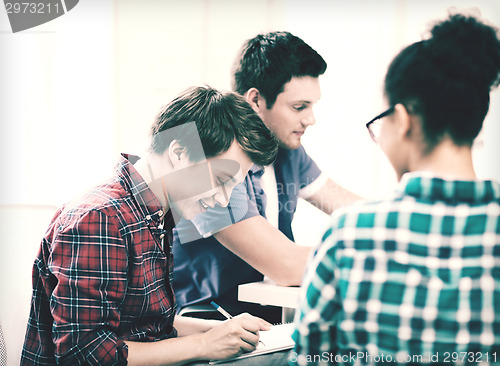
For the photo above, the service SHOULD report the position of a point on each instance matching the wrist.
(211, 323)
(201, 351)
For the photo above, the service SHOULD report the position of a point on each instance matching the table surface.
(269, 293)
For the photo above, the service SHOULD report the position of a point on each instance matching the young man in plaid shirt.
(102, 291)
(415, 279)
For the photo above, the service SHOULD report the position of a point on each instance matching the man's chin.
(290, 145)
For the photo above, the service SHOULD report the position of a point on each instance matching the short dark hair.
(268, 61)
(220, 118)
(447, 79)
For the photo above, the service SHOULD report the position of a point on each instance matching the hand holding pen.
(226, 314)
(231, 338)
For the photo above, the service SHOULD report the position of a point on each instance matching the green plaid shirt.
(410, 279)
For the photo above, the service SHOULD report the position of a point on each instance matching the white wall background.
(84, 87)
(77, 91)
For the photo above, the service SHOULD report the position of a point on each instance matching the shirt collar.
(427, 187)
(148, 203)
(256, 170)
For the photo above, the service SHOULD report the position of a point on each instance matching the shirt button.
(148, 217)
(160, 213)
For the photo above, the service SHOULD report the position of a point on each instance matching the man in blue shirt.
(278, 73)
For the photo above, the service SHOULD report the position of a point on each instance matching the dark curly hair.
(268, 61)
(220, 118)
(447, 79)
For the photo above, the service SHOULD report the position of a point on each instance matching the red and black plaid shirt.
(102, 277)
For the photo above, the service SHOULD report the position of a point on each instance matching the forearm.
(187, 347)
(227, 339)
(266, 249)
(332, 196)
(173, 351)
(292, 267)
(187, 326)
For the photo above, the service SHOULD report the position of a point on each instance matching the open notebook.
(278, 338)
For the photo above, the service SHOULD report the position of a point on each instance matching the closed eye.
(300, 107)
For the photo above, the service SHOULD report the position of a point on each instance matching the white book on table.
(278, 338)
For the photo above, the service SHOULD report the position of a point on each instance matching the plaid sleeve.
(315, 331)
(89, 262)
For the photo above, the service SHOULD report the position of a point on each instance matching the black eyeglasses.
(374, 127)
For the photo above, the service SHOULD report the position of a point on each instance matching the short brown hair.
(269, 61)
(220, 118)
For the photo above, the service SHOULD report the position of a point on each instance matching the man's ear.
(177, 154)
(254, 98)
(403, 120)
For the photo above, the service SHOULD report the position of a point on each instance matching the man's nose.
(309, 120)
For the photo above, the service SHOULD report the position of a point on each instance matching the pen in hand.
(221, 310)
(226, 314)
